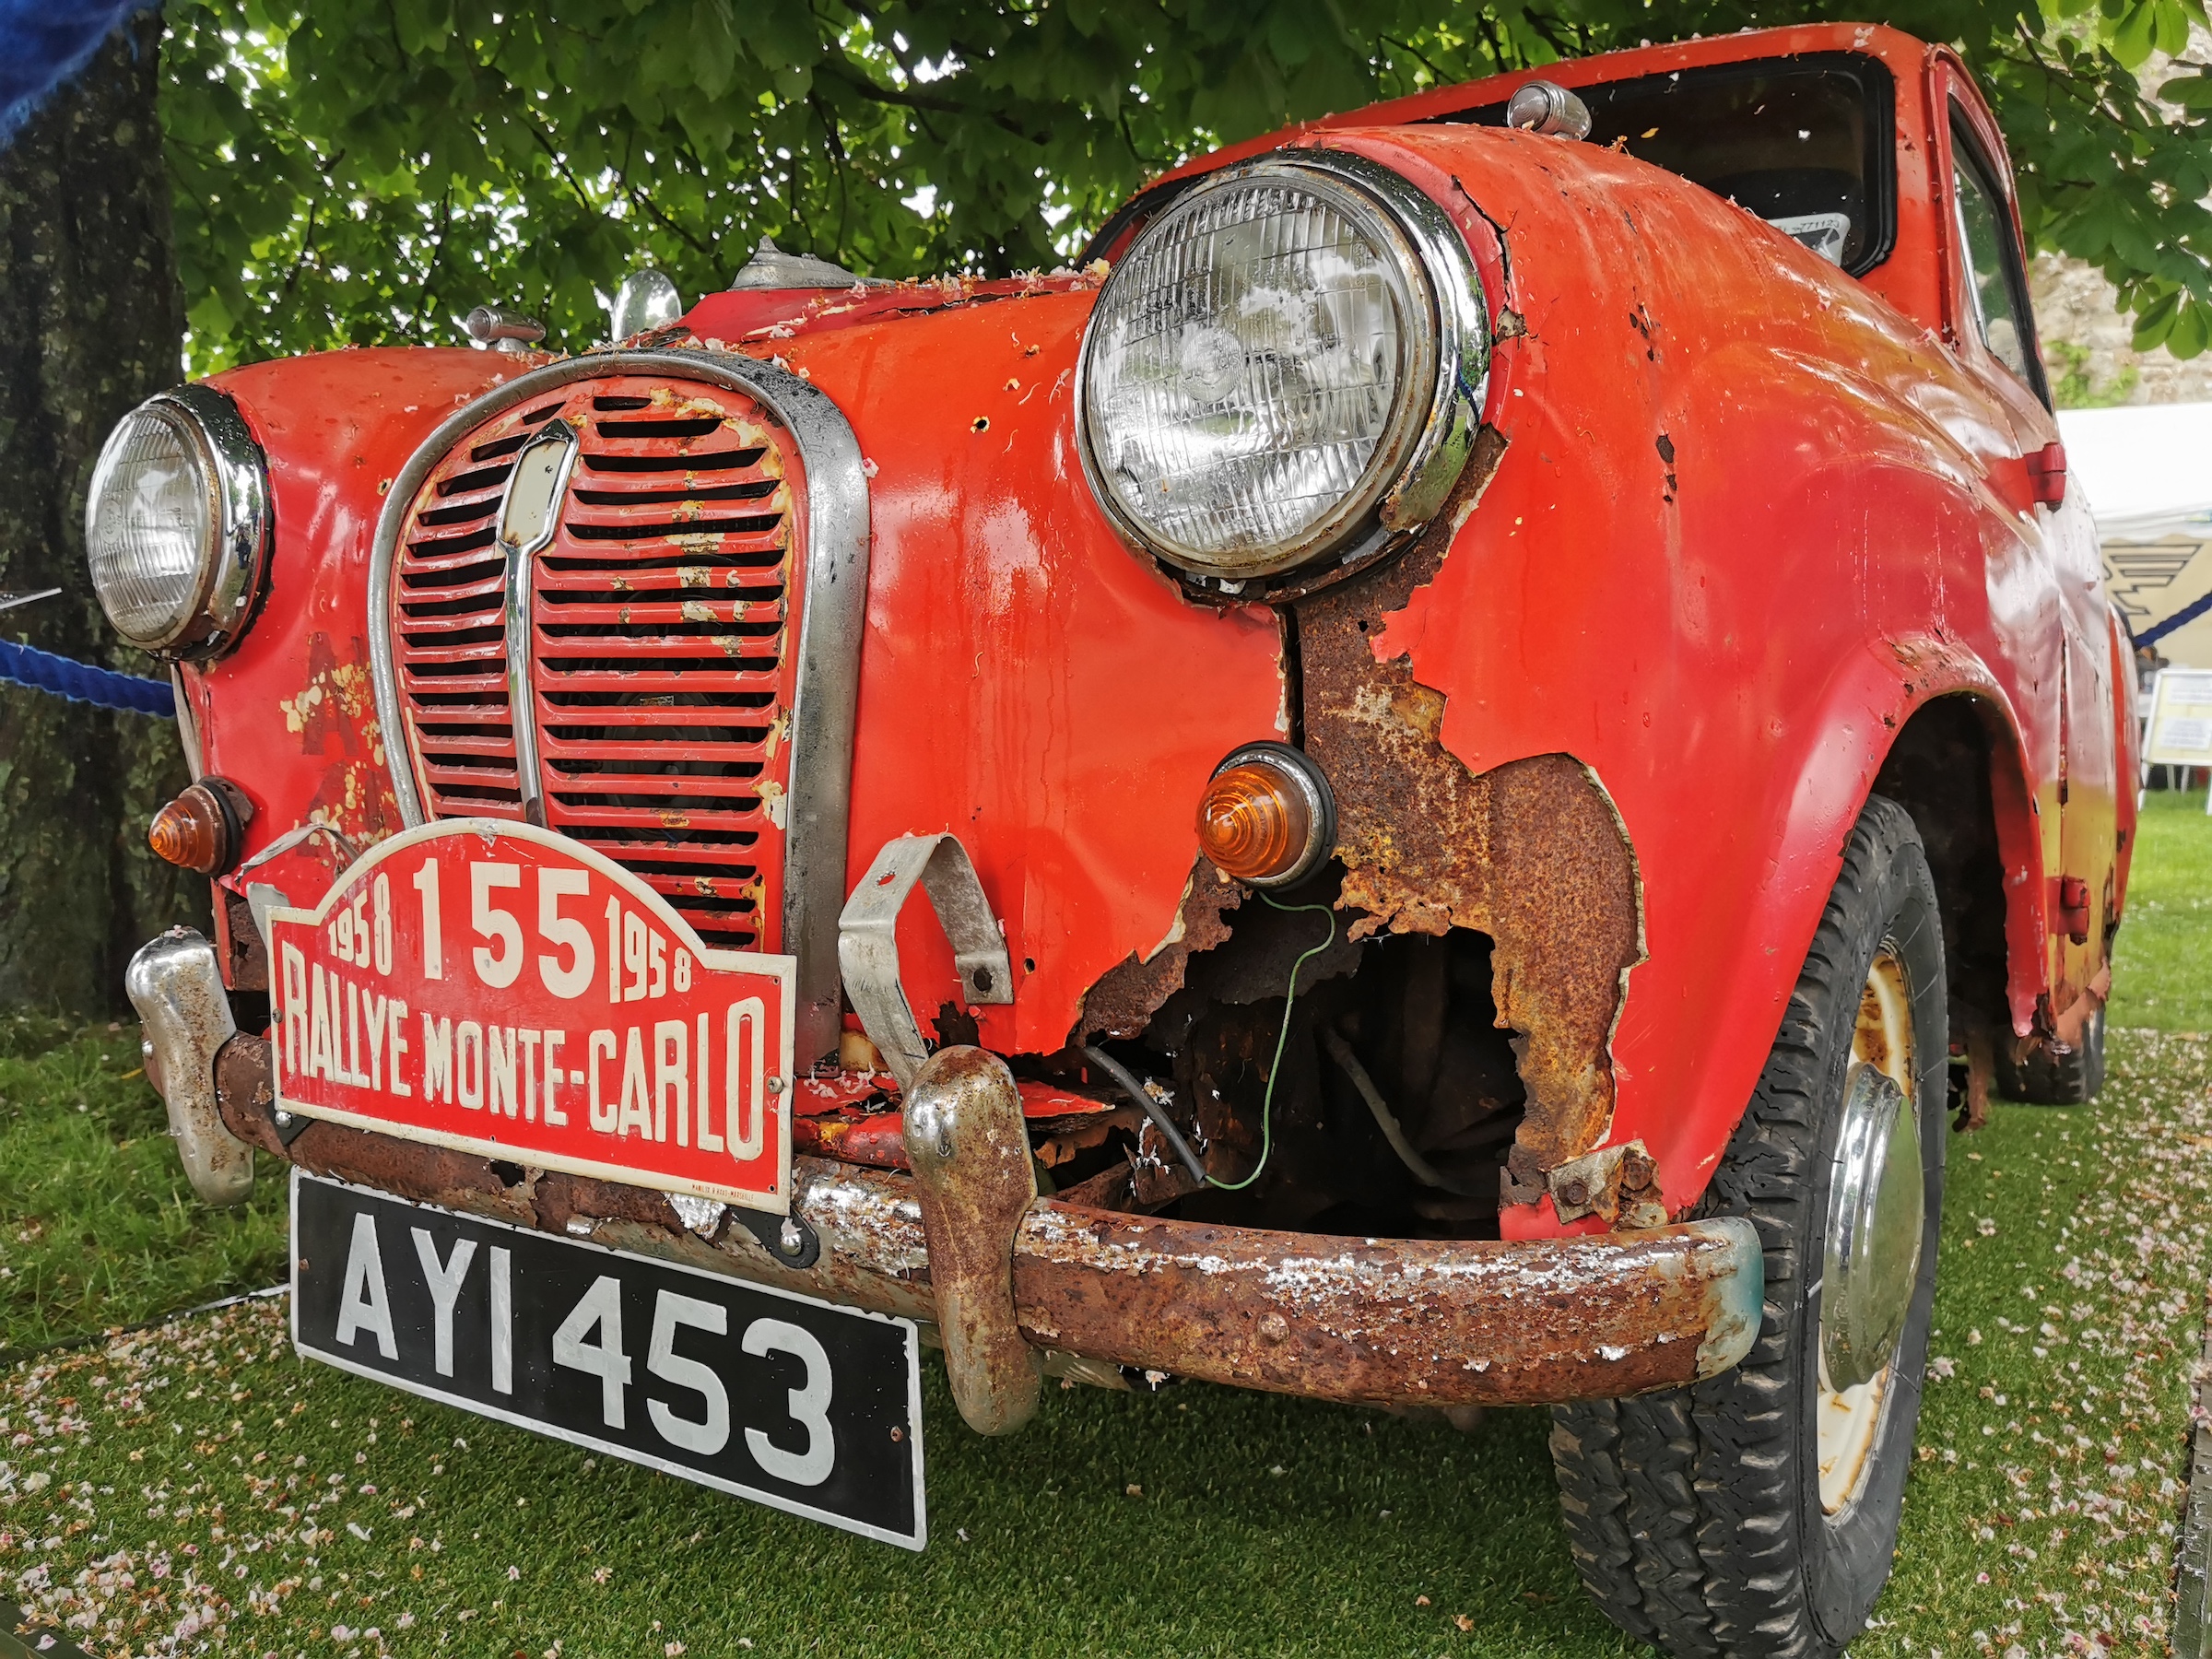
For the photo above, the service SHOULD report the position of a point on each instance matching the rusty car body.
(1714, 532)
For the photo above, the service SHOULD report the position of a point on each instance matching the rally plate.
(799, 1404)
(498, 989)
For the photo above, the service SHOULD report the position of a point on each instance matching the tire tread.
(1679, 1506)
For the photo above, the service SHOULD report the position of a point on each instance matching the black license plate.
(811, 1407)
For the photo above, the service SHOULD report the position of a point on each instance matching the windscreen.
(1804, 143)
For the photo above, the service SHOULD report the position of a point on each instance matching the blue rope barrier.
(2181, 619)
(80, 682)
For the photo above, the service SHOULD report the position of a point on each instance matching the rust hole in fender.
(1464, 956)
(1531, 855)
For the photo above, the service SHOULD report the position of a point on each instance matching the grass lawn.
(98, 1227)
(2162, 979)
(198, 1488)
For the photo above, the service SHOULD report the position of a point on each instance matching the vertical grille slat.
(662, 629)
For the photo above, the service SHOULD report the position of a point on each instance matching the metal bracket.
(1619, 1185)
(178, 991)
(261, 900)
(787, 1238)
(969, 1149)
(867, 941)
(292, 838)
(289, 1125)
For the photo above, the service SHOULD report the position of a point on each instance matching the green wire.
(1268, 1099)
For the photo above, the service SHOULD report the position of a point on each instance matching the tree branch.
(637, 195)
(559, 164)
(1418, 57)
(1121, 117)
(445, 223)
(306, 247)
(918, 100)
(836, 147)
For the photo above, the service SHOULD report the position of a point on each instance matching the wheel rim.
(1872, 1253)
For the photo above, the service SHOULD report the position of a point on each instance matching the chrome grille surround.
(826, 675)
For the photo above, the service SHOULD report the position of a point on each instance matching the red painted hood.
(1025, 682)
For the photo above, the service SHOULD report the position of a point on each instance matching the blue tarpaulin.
(43, 46)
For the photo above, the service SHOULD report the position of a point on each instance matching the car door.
(1995, 329)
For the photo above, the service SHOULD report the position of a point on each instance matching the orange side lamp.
(204, 829)
(1268, 816)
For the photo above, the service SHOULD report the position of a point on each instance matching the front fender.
(1746, 520)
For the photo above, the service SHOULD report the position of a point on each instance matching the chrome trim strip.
(826, 682)
(188, 724)
(517, 616)
(521, 695)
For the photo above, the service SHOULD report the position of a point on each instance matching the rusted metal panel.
(1531, 853)
(875, 1140)
(854, 1118)
(1618, 1184)
(557, 1199)
(434, 1174)
(239, 943)
(1129, 992)
(245, 1090)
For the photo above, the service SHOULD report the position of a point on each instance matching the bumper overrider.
(1018, 1286)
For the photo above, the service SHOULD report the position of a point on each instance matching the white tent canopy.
(2146, 468)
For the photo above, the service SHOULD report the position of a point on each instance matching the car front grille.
(662, 613)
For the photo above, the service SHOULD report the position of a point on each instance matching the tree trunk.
(89, 326)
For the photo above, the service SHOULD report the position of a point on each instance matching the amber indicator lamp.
(204, 829)
(1268, 816)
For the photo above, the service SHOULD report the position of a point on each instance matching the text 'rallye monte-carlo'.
(1424, 786)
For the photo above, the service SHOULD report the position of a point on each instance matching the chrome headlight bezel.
(1429, 435)
(232, 476)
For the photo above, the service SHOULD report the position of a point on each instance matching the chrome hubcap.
(1875, 1208)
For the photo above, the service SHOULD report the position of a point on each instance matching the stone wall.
(2074, 309)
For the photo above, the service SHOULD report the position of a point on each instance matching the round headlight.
(177, 524)
(1282, 369)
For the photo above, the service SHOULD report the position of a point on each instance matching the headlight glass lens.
(151, 527)
(1250, 373)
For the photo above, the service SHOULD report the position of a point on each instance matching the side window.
(2000, 289)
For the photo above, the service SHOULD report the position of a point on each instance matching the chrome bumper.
(1101, 1292)
(178, 990)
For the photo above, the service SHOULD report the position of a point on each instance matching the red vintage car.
(1497, 710)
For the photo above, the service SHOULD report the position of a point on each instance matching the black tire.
(2053, 1077)
(1695, 1515)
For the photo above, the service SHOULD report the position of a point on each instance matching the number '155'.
(567, 969)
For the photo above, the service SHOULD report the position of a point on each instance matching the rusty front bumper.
(1380, 1321)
